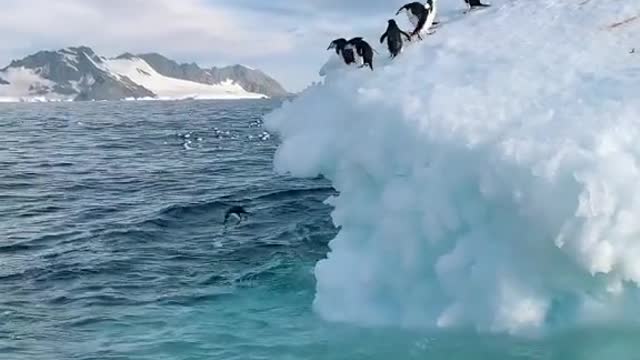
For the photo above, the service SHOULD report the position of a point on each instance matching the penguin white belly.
(430, 18)
(434, 11)
(413, 19)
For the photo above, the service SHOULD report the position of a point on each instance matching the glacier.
(487, 177)
(167, 88)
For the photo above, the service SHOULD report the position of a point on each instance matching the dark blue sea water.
(111, 236)
(112, 245)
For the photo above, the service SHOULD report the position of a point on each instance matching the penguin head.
(337, 44)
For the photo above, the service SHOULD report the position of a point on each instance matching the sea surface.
(112, 246)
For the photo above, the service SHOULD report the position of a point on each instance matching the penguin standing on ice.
(394, 38)
(475, 4)
(420, 15)
(363, 50)
(344, 50)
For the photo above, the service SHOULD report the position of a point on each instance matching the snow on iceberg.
(487, 177)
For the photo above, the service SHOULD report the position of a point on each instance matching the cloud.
(185, 25)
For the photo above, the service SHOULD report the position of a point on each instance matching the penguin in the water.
(474, 4)
(237, 212)
(420, 15)
(394, 38)
(343, 50)
(363, 50)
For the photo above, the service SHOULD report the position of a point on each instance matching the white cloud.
(185, 25)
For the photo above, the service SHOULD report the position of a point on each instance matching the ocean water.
(112, 246)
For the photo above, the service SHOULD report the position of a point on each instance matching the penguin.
(343, 50)
(474, 4)
(237, 212)
(431, 20)
(394, 38)
(363, 50)
(417, 14)
(420, 15)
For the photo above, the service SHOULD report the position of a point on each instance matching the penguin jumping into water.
(343, 50)
(420, 15)
(394, 38)
(474, 4)
(363, 50)
(237, 212)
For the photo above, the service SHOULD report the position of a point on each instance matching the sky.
(287, 39)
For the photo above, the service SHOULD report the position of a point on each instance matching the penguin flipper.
(384, 36)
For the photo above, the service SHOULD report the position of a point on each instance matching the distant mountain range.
(79, 74)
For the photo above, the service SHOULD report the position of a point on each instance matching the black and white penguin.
(474, 4)
(394, 38)
(421, 16)
(431, 20)
(237, 212)
(363, 50)
(344, 50)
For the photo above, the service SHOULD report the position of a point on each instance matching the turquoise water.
(112, 247)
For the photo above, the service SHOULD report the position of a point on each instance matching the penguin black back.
(364, 50)
(340, 45)
(393, 35)
(475, 4)
(415, 8)
(418, 14)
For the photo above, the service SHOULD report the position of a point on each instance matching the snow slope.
(141, 73)
(488, 176)
(25, 85)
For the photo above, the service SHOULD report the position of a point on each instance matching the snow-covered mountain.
(78, 73)
(250, 79)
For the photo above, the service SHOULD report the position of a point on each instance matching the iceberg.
(487, 177)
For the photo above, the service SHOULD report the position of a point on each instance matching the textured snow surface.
(26, 85)
(141, 73)
(488, 176)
